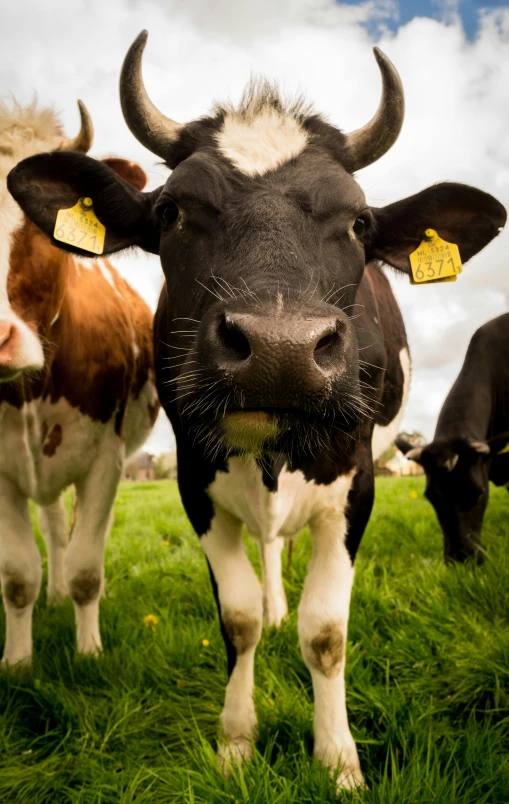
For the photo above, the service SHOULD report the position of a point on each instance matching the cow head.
(263, 234)
(457, 486)
(32, 271)
(23, 132)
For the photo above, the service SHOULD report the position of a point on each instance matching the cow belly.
(45, 447)
(383, 436)
(283, 512)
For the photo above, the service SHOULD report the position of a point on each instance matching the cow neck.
(468, 408)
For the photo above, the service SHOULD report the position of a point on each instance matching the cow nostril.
(234, 341)
(6, 333)
(327, 351)
(326, 342)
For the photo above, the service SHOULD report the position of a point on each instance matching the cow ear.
(402, 444)
(130, 171)
(408, 449)
(459, 214)
(46, 183)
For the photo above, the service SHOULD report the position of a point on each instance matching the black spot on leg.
(85, 587)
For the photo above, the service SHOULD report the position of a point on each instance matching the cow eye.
(167, 212)
(361, 224)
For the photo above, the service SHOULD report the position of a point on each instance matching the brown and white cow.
(77, 395)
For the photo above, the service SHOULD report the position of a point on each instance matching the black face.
(261, 275)
(458, 487)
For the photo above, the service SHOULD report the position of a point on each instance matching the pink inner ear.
(129, 171)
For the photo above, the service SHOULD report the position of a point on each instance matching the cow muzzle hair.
(275, 381)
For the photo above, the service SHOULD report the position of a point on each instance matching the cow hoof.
(350, 778)
(275, 619)
(90, 648)
(15, 664)
(91, 653)
(232, 754)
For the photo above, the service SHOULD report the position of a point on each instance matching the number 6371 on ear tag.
(79, 226)
(435, 260)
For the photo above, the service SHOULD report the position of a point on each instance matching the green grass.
(427, 673)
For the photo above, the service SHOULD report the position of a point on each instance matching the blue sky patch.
(406, 10)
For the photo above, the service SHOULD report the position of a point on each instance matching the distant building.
(139, 467)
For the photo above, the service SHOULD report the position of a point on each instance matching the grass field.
(427, 673)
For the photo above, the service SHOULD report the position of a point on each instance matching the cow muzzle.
(20, 349)
(277, 362)
(9, 345)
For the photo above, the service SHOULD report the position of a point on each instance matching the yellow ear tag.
(78, 226)
(504, 449)
(435, 260)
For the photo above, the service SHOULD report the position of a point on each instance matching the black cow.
(469, 446)
(277, 349)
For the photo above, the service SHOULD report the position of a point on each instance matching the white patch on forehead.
(262, 141)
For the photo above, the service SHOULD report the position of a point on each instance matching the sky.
(453, 58)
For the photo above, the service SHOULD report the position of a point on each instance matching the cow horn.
(83, 142)
(369, 143)
(480, 446)
(155, 131)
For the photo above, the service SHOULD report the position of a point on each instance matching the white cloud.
(455, 129)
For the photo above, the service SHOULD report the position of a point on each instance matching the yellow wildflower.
(150, 621)
(166, 543)
(205, 643)
(413, 495)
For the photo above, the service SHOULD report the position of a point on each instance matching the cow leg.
(323, 620)
(53, 521)
(239, 598)
(84, 559)
(275, 606)
(20, 573)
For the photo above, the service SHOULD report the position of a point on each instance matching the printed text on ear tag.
(78, 226)
(435, 260)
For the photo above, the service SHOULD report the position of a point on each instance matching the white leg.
(240, 603)
(53, 521)
(275, 606)
(84, 559)
(323, 621)
(20, 571)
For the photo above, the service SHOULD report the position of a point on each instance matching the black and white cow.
(469, 446)
(279, 349)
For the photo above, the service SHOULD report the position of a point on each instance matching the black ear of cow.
(459, 214)
(46, 183)
(402, 444)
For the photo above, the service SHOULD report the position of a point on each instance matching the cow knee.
(85, 586)
(324, 650)
(243, 629)
(21, 587)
